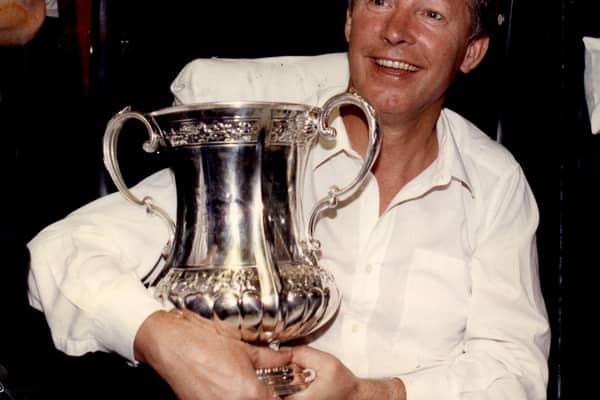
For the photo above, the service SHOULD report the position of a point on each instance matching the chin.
(385, 102)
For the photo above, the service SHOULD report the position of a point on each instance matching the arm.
(20, 20)
(507, 333)
(85, 270)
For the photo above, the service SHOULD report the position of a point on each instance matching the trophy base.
(232, 295)
(287, 380)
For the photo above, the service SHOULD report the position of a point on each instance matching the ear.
(475, 52)
(348, 25)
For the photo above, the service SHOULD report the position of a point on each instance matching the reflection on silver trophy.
(241, 251)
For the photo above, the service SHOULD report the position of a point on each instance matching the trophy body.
(241, 251)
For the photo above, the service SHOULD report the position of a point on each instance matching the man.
(403, 56)
(438, 276)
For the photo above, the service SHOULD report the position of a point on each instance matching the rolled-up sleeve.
(507, 336)
(85, 271)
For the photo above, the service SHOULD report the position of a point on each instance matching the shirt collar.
(449, 164)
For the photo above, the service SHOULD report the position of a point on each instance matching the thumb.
(304, 355)
(265, 357)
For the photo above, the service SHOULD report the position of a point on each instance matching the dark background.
(528, 94)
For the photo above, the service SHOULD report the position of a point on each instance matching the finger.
(304, 355)
(264, 357)
(228, 330)
(190, 315)
(220, 327)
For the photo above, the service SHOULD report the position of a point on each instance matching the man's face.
(405, 53)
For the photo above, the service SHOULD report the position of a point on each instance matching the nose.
(399, 27)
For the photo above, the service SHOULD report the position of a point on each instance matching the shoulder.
(494, 175)
(476, 149)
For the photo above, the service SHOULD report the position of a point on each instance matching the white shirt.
(441, 290)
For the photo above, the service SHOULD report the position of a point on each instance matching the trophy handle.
(109, 147)
(334, 192)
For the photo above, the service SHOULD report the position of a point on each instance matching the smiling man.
(442, 292)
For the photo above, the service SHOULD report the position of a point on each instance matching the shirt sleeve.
(85, 270)
(507, 336)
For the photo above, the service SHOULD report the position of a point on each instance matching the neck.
(408, 147)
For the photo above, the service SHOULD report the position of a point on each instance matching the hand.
(199, 360)
(335, 381)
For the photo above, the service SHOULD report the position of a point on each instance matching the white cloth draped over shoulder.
(292, 79)
(441, 290)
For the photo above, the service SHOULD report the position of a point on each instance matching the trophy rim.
(222, 105)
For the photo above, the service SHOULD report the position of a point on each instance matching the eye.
(379, 5)
(434, 15)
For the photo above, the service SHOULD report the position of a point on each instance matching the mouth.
(397, 65)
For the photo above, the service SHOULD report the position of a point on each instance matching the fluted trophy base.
(232, 297)
(287, 380)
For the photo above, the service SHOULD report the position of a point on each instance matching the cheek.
(361, 28)
(444, 52)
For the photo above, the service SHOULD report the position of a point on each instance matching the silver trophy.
(241, 252)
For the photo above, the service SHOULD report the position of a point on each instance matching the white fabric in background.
(290, 79)
(591, 80)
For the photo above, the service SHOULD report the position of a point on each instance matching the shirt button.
(355, 328)
(369, 268)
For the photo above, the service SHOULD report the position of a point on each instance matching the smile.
(396, 65)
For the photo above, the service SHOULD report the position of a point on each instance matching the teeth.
(396, 65)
